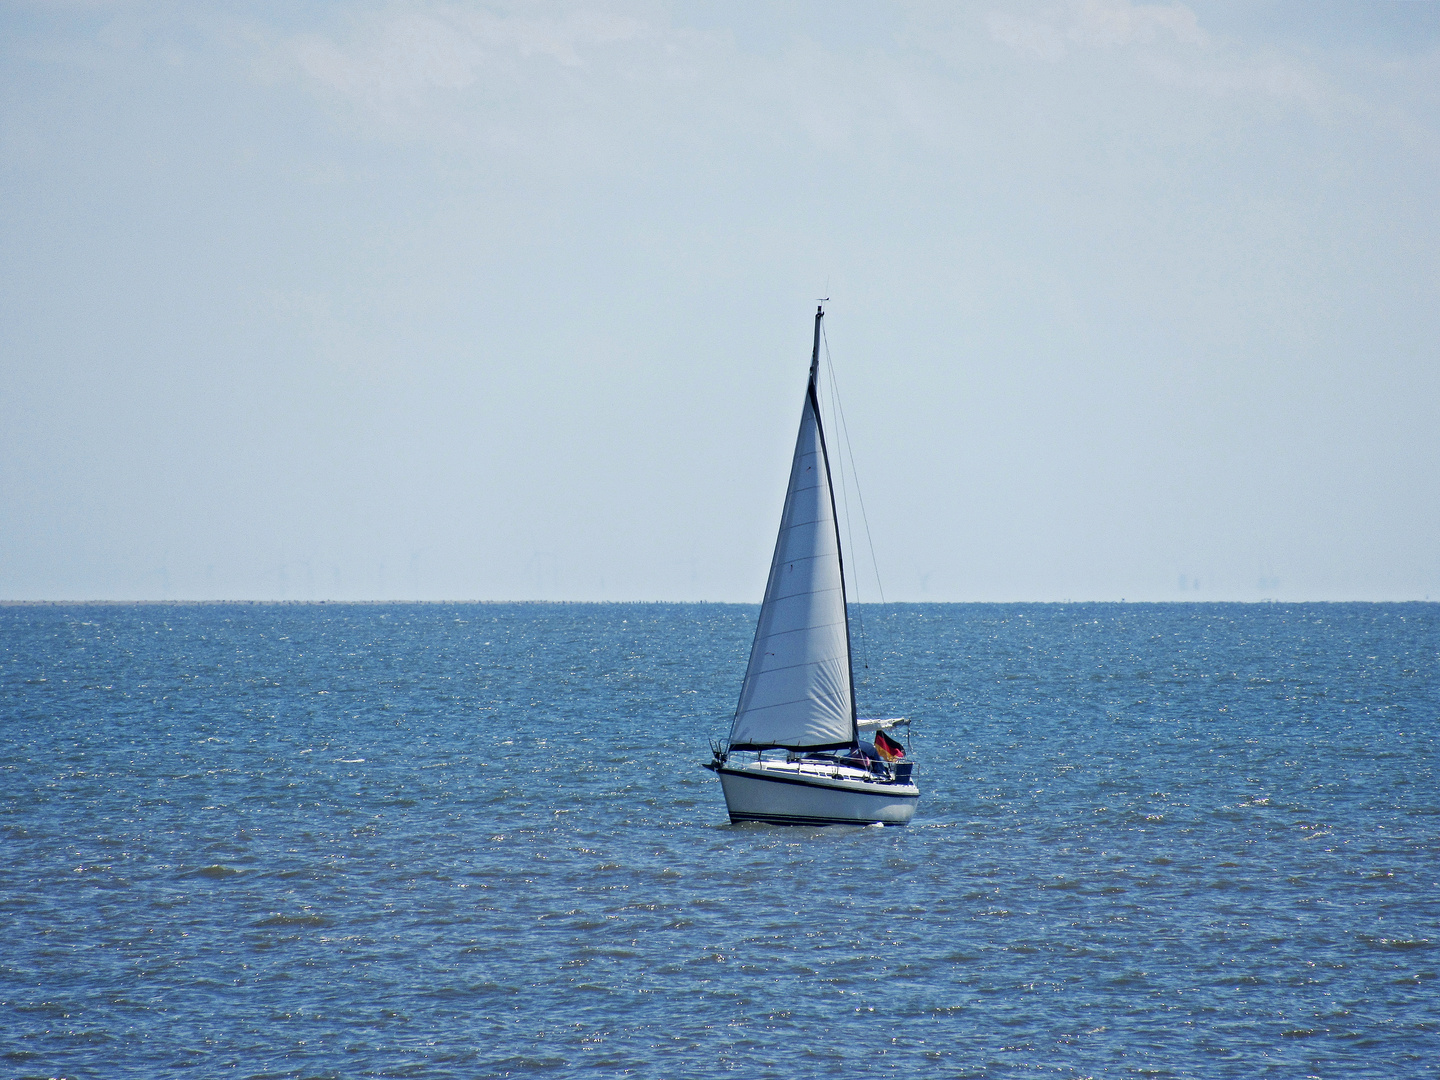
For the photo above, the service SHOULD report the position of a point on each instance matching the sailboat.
(799, 690)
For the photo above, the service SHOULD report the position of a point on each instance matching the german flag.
(889, 749)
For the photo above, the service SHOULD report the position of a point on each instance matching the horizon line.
(598, 603)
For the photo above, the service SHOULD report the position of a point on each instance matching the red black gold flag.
(889, 749)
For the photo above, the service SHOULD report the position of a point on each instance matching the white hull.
(811, 793)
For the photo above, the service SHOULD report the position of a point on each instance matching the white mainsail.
(798, 692)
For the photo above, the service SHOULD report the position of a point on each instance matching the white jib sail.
(797, 688)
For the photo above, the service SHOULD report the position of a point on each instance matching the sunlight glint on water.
(474, 840)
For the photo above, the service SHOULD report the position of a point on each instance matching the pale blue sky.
(466, 301)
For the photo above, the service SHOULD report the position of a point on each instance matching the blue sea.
(429, 840)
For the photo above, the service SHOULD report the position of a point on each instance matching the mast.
(835, 517)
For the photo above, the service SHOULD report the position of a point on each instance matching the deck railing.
(887, 771)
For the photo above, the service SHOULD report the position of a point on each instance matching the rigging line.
(845, 430)
(859, 618)
(844, 486)
(852, 476)
(886, 642)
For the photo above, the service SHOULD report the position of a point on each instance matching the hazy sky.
(513, 301)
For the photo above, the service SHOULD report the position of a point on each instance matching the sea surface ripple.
(435, 840)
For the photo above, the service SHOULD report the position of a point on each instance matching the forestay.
(797, 692)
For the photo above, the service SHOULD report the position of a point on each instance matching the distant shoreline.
(676, 603)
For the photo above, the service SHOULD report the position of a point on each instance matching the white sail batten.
(797, 692)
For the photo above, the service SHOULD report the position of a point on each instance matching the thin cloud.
(1168, 42)
(396, 64)
(1278, 78)
(1053, 32)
